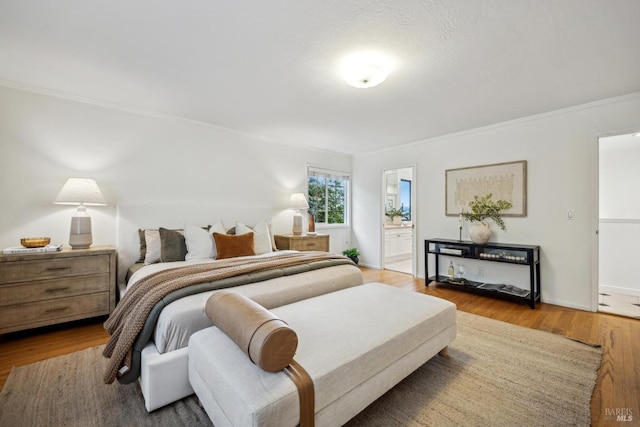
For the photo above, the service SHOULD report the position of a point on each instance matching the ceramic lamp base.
(297, 223)
(80, 236)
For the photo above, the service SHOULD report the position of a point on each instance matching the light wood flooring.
(617, 388)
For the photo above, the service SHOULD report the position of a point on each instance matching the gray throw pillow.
(172, 245)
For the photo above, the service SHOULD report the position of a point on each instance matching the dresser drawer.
(22, 316)
(26, 271)
(52, 289)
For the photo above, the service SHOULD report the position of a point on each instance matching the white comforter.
(180, 319)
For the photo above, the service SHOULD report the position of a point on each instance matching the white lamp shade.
(80, 191)
(298, 201)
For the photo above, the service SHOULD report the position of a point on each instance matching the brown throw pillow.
(268, 341)
(229, 246)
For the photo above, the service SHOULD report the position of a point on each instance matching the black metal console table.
(525, 255)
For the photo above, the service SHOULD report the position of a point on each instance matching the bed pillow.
(143, 245)
(217, 228)
(261, 236)
(199, 241)
(172, 245)
(152, 242)
(273, 239)
(228, 246)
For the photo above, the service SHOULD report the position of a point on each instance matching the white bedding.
(154, 268)
(180, 319)
(163, 373)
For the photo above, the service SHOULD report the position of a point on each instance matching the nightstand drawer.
(25, 271)
(22, 316)
(52, 289)
(309, 245)
(307, 242)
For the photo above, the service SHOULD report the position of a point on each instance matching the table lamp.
(81, 192)
(297, 201)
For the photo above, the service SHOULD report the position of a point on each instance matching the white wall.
(619, 214)
(161, 168)
(148, 161)
(561, 153)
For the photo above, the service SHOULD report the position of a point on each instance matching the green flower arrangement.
(484, 207)
(393, 212)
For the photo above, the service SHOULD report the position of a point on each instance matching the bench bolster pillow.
(268, 341)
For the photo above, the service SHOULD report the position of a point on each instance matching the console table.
(525, 255)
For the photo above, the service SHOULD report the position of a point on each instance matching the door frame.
(595, 214)
(414, 210)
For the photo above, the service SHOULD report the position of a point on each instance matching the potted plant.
(483, 208)
(394, 214)
(352, 254)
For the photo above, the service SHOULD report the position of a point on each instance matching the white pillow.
(261, 236)
(152, 239)
(199, 243)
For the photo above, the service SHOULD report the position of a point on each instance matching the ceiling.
(270, 68)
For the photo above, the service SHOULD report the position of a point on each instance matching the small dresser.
(303, 242)
(42, 289)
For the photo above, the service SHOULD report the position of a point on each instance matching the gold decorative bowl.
(35, 242)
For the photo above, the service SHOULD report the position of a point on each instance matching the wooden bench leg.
(444, 352)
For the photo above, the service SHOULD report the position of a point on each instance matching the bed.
(158, 353)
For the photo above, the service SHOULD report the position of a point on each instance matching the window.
(328, 195)
(405, 199)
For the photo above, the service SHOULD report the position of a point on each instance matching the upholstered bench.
(355, 343)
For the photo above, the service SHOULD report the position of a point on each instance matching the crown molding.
(508, 123)
(153, 114)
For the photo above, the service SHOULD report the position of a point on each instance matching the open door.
(619, 225)
(398, 227)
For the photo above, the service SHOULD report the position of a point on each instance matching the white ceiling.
(270, 68)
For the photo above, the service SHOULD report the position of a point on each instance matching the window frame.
(336, 175)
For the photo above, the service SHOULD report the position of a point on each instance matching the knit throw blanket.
(129, 316)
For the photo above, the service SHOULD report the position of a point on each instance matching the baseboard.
(618, 290)
(376, 267)
(567, 304)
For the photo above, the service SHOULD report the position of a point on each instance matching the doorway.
(399, 214)
(618, 225)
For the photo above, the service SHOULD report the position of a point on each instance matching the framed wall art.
(506, 181)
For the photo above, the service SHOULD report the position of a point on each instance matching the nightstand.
(303, 242)
(42, 289)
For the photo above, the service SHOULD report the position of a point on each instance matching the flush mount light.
(365, 69)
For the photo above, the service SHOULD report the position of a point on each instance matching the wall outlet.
(480, 271)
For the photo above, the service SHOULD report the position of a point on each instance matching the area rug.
(496, 374)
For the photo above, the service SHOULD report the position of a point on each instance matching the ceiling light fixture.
(365, 69)
(637, 135)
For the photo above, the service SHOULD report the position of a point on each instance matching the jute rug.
(496, 374)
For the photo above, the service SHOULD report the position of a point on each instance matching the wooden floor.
(617, 388)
